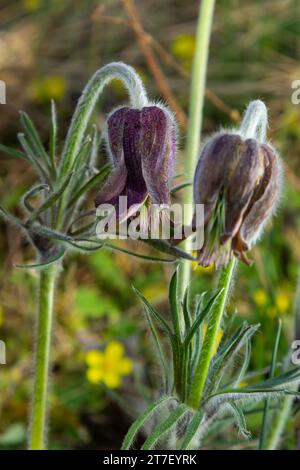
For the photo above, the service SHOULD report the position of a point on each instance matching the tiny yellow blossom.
(260, 297)
(282, 302)
(47, 88)
(31, 5)
(183, 47)
(108, 366)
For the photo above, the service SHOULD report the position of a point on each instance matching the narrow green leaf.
(191, 431)
(11, 218)
(160, 353)
(52, 199)
(34, 139)
(180, 186)
(154, 313)
(85, 244)
(53, 135)
(282, 379)
(186, 310)
(201, 317)
(33, 192)
(91, 183)
(46, 232)
(13, 152)
(265, 421)
(240, 420)
(33, 158)
(42, 265)
(136, 426)
(174, 305)
(139, 255)
(165, 247)
(166, 426)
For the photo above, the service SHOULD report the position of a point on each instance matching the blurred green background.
(49, 49)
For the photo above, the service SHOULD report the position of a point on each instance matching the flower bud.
(141, 144)
(238, 181)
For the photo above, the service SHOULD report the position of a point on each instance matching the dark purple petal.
(115, 134)
(242, 183)
(132, 154)
(116, 182)
(265, 197)
(157, 146)
(217, 157)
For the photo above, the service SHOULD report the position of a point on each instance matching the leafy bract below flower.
(108, 366)
(141, 144)
(238, 180)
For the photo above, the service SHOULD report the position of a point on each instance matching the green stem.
(42, 358)
(210, 339)
(197, 94)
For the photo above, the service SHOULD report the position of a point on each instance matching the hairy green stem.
(203, 33)
(210, 339)
(42, 359)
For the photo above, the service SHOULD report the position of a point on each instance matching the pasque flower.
(238, 180)
(141, 144)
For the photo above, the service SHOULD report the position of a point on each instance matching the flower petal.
(265, 196)
(158, 145)
(116, 182)
(218, 156)
(242, 183)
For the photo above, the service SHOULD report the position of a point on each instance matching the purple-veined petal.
(218, 156)
(242, 183)
(265, 197)
(158, 146)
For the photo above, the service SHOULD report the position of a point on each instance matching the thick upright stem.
(210, 339)
(42, 359)
(195, 118)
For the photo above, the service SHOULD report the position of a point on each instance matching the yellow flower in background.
(200, 269)
(108, 366)
(260, 297)
(47, 88)
(183, 47)
(31, 5)
(282, 302)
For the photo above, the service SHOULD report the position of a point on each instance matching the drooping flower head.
(237, 178)
(141, 144)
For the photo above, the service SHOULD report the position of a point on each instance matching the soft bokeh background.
(49, 49)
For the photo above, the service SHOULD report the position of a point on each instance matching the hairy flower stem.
(210, 339)
(195, 118)
(42, 356)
